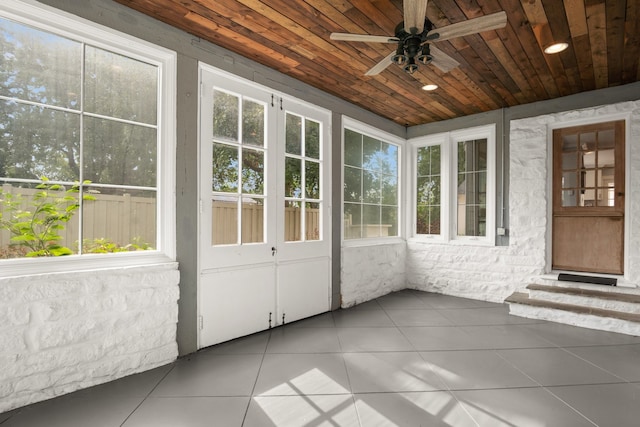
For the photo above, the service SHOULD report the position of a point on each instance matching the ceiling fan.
(415, 35)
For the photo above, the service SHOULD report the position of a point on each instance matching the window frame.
(370, 131)
(61, 23)
(448, 142)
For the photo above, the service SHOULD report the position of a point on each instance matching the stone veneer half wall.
(369, 272)
(66, 331)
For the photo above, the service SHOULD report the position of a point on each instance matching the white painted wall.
(66, 331)
(369, 272)
(493, 273)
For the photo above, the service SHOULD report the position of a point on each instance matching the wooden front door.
(588, 198)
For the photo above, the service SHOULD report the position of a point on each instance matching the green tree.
(35, 140)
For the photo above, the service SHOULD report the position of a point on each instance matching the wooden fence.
(225, 223)
(121, 219)
(126, 219)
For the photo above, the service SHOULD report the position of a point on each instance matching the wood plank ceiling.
(498, 68)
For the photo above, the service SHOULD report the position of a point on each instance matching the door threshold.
(585, 278)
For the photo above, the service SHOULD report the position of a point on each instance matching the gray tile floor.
(406, 359)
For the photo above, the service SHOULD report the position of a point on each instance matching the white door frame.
(249, 286)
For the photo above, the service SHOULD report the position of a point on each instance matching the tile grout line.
(255, 383)
(149, 394)
(595, 365)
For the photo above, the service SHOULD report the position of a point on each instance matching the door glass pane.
(312, 179)
(606, 139)
(569, 179)
(293, 177)
(225, 220)
(293, 143)
(569, 198)
(225, 168)
(252, 123)
(312, 221)
(225, 116)
(312, 139)
(252, 171)
(252, 220)
(292, 221)
(569, 160)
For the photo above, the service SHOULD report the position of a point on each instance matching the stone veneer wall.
(66, 331)
(371, 271)
(493, 273)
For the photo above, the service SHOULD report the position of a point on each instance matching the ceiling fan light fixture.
(411, 66)
(556, 48)
(425, 56)
(399, 58)
(430, 87)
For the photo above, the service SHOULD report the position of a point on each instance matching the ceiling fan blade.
(362, 38)
(441, 60)
(414, 15)
(380, 66)
(472, 26)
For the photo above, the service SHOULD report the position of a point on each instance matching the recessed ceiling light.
(556, 47)
(430, 87)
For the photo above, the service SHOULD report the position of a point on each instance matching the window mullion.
(448, 174)
(81, 151)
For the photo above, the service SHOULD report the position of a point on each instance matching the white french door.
(264, 250)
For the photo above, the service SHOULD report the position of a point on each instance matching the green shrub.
(37, 228)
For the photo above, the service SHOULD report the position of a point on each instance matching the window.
(454, 189)
(371, 186)
(472, 187)
(86, 138)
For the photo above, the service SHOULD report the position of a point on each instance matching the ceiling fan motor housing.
(411, 45)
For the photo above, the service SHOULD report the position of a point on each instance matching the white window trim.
(47, 18)
(448, 173)
(441, 139)
(357, 126)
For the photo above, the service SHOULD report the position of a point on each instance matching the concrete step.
(606, 298)
(524, 305)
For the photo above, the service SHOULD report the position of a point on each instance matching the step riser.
(585, 301)
(576, 319)
(603, 288)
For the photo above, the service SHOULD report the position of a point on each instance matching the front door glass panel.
(588, 169)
